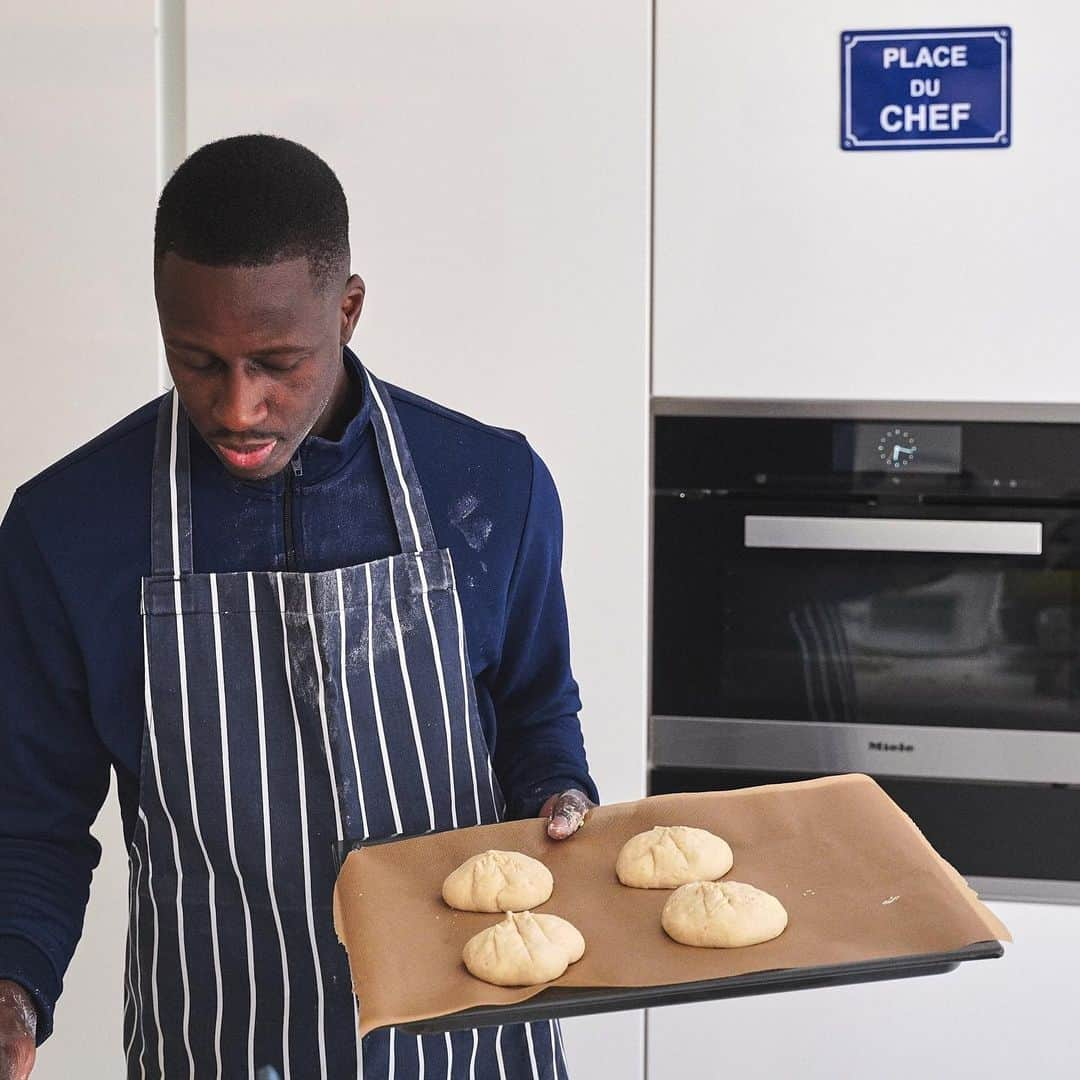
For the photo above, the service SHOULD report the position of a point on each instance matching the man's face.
(255, 354)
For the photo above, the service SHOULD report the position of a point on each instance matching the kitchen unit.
(1011, 1017)
(785, 267)
(888, 588)
(787, 270)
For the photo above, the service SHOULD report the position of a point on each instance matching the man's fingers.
(568, 814)
(18, 1022)
(560, 827)
(17, 1058)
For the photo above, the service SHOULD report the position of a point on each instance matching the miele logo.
(898, 747)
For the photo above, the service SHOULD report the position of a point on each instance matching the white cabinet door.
(495, 157)
(991, 1018)
(77, 196)
(786, 267)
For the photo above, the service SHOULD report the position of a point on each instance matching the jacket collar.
(319, 458)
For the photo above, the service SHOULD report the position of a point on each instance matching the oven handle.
(894, 534)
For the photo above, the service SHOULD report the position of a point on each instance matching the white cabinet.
(993, 1018)
(786, 267)
(77, 196)
(495, 157)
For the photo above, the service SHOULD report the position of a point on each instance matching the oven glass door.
(958, 616)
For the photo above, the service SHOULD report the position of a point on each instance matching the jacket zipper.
(296, 470)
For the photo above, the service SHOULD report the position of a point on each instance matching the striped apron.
(285, 712)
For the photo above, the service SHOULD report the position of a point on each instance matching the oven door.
(906, 640)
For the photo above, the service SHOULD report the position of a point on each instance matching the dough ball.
(498, 881)
(672, 855)
(722, 915)
(523, 949)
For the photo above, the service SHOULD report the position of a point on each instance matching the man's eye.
(282, 366)
(197, 363)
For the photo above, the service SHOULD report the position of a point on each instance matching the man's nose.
(241, 404)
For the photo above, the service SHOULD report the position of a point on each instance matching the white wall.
(788, 268)
(77, 195)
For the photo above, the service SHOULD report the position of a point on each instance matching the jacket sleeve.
(539, 748)
(54, 774)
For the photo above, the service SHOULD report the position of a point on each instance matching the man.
(289, 605)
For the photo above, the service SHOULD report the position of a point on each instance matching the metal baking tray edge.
(559, 1002)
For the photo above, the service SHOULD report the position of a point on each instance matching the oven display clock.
(897, 448)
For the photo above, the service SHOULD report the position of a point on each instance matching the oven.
(883, 588)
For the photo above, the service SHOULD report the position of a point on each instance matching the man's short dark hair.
(251, 200)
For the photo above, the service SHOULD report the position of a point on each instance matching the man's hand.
(18, 1026)
(566, 813)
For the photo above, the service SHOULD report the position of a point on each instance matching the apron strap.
(170, 493)
(406, 496)
(170, 541)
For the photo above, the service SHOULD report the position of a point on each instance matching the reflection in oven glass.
(951, 617)
(970, 647)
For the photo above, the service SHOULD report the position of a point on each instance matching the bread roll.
(668, 856)
(722, 915)
(498, 881)
(523, 950)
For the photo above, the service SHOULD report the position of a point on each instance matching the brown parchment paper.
(857, 877)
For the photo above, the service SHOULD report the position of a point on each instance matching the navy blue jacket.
(76, 541)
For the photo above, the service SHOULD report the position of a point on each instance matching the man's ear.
(352, 302)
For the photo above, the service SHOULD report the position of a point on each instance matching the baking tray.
(869, 900)
(559, 1002)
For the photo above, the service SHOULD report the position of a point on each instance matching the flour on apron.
(286, 712)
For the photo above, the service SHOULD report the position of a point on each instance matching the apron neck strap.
(170, 495)
(406, 495)
(170, 518)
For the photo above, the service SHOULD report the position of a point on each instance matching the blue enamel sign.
(925, 89)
